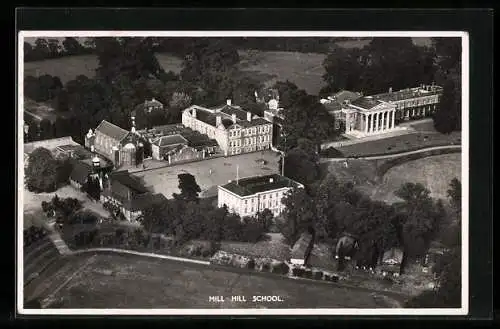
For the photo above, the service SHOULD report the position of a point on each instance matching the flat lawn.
(433, 172)
(165, 180)
(33, 201)
(128, 281)
(407, 142)
(305, 70)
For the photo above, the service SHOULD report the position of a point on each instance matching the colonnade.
(379, 121)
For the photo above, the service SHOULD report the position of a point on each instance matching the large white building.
(248, 196)
(376, 114)
(235, 130)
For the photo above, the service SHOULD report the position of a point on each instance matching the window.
(246, 201)
(264, 196)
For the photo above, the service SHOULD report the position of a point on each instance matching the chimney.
(194, 113)
(233, 116)
(218, 120)
(249, 116)
(228, 102)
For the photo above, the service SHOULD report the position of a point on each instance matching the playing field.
(127, 281)
(434, 172)
(210, 173)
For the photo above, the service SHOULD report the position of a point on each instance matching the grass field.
(127, 281)
(434, 172)
(165, 180)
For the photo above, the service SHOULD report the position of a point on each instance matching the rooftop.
(345, 95)
(301, 247)
(49, 144)
(408, 93)
(111, 130)
(366, 102)
(124, 178)
(226, 112)
(252, 185)
(170, 140)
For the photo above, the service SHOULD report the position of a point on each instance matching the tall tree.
(72, 46)
(448, 116)
(419, 221)
(188, 187)
(299, 215)
(41, 173)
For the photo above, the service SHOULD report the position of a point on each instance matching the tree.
(299, 215)
(41, 173)
(72, 46)
(54, 47)
(300, 167)
(265, 219)
(306, 118)
(448, 116)
(188, 187)
(418, 220)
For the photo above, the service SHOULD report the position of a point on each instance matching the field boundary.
(381, 156)
(387, 165)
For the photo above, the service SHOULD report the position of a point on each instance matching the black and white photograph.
(171, 172)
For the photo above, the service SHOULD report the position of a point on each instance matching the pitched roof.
(230, 110)
(125, 178)
(252, 185)
(366, 102)
(111, 130)
(80, 171)
(301, 247)
(170, 140)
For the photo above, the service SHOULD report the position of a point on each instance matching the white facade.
(250, 205)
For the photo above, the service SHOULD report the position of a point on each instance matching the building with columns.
(381, 113)
(235, 130)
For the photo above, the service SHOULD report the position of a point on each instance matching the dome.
(129, 146)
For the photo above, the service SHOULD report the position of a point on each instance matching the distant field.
(68, 68)
(305, 70)
(127, 281)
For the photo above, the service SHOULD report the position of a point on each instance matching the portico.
(369, 117)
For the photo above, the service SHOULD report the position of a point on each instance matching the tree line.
(53, 48)
(188, 217)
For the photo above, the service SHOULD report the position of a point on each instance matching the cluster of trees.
(33, 234)
(43, 88)
(449, 116)
(54, 48)
(44, 173)
(61, 208)
(380, 65)
(331, 209)
(186, 217)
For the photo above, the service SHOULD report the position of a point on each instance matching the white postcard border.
(293, 312)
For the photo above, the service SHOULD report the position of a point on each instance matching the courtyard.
(210, 173)
(108, 280)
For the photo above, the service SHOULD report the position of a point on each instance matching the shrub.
(205, 253)
(334, 278)
(280, 268)
(265, 267)
(197, 251)
(318, 275)
(251, 264)
(299, 272)
(308, 274)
